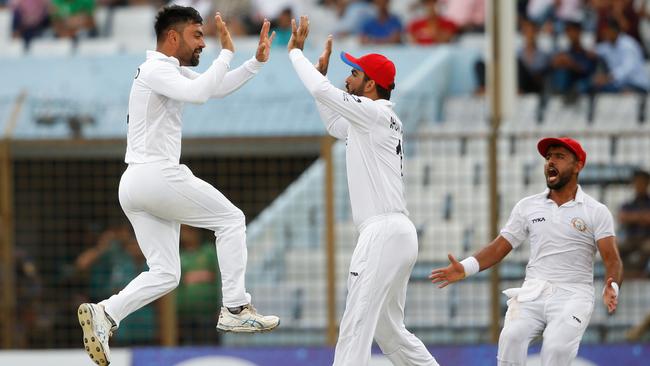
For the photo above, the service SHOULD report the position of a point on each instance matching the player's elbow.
(198, 98)
(319, 90)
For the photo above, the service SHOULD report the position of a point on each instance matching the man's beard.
(193, 58)
(562, 180)
(358, 91)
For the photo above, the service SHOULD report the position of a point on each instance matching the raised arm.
(358, 111)
(168, 81)
(336, 125)
(236, 78)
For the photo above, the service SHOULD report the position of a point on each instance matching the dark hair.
(613, 24)
(173, 15)
(573, 24)
(382, 92)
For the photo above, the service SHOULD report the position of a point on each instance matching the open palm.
(264, 46)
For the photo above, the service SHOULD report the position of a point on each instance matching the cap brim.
(352, 61)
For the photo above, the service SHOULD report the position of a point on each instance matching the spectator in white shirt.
(623, 57)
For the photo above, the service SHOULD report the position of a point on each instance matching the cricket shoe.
(246, 321)
(97, 328)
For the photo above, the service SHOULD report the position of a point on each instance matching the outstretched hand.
(454, 272)
(223, 34)
(264, 46)
(298, 33)
(324, 59)
(610, 299)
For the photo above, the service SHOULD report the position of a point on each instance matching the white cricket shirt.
(374, 148)
(562, 239)
(159, 91)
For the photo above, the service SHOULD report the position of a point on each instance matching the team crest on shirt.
(579, 224)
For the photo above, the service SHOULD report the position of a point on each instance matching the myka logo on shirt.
(539, 219)
(579, 224)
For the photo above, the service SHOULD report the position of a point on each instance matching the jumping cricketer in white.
(565, 227)
(158, 194)
(387, 247)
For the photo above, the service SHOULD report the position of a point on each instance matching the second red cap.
(571, 144)
(376, 66)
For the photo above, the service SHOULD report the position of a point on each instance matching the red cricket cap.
(571, 144)
(376, 66)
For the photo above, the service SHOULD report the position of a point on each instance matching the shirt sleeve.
(360, 112)
(233, 79)
(336, 125)
(167, 80)
(630, 56)
(603, 223)
(515, 231)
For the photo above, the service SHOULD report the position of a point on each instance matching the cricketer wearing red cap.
(387, 247)
(564, 227)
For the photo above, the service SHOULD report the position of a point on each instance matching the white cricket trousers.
(379, 273)
(157, 198)
(559, 315)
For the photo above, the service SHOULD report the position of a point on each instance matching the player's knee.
(235, 221)
(169, 280)
(512, 336)
(556, 350)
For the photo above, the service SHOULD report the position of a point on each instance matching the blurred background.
(478, 84)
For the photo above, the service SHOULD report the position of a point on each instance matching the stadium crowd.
(614, 62)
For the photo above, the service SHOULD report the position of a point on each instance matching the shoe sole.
(93, 346)
(237, 329)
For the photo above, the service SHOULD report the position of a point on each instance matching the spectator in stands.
(196, 296)
(467, 15)
(28, 295)
(112, 263)
(74, 18)
(625, 14)
(573, 68)
(552, 14)
(634, 218)
(432, 28)
(384, 28)
(97, 260)
(352, 15)
(623, 57)
(532, 63)
(239, 16)
(282, 27)
(635, 221)
(30, 18)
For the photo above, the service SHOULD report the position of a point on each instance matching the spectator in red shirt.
(433, 28)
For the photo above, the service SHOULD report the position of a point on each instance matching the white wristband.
(471, 266)
(614, 286)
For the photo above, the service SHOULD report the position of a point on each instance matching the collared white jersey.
(373, 135)
(159, 91)
(562, 239)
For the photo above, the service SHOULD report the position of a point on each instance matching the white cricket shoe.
(97, 330)
(247, 321)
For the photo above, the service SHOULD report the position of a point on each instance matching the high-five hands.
(298, 33)
(324, 59)
(454, 272)
(264, 46)
(223, 34)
